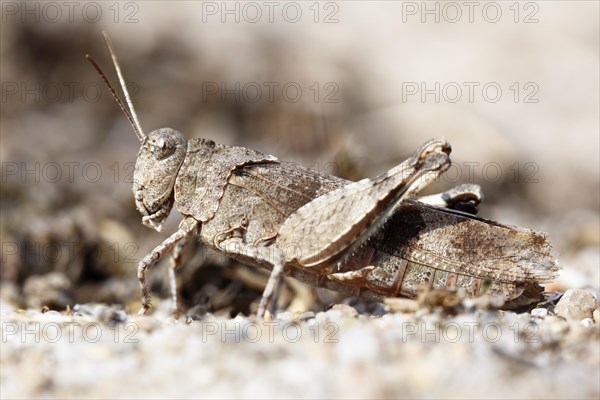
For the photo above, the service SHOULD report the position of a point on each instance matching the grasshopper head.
(156, 168)
(159, 158)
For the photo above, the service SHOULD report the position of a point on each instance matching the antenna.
(131, 115)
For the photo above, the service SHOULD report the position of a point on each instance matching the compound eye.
(163, 148)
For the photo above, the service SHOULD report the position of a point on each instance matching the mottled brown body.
(420, 246)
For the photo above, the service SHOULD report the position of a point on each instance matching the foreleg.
(186, 228)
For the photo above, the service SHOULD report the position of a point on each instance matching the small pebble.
(285, 316)
(587, 322)
(333, 315)
(346, 310)
(539, 312)
(321, 317)
(576, 304)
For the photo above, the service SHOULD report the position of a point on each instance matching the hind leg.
(464, 198)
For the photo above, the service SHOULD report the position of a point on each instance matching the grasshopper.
(373, 238)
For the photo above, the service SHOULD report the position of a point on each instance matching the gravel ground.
(101, 352)
(71, 236)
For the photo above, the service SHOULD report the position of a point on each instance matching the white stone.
(577, 304)
(539, 312)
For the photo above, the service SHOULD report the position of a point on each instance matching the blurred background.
(348, 88)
